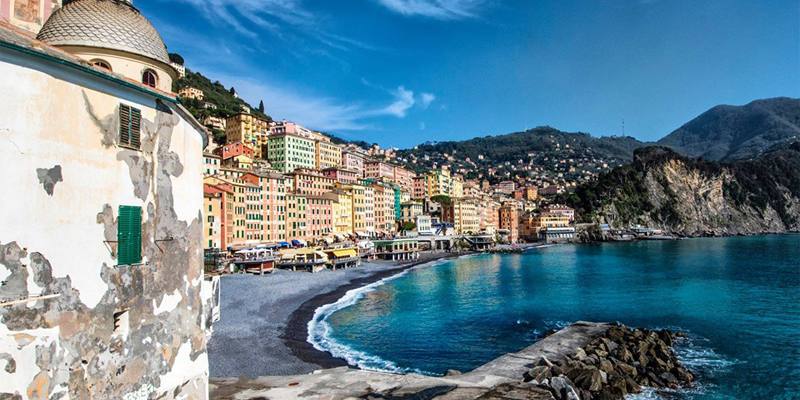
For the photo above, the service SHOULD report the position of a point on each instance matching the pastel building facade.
(287, 152)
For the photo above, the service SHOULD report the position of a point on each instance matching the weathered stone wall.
(64, 177)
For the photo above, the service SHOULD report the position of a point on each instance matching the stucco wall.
(63, 179)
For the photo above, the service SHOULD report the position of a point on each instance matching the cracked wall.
(58, 250)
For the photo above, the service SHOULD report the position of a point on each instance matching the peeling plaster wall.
(52, 242)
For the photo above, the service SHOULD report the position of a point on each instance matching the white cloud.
(404, 99)
(282, 18)
(425, 99)
(438, 9)
(319, 112)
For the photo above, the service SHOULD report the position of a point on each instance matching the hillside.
(541, 151)
(738, 132)
(223, 102)
(694, 197)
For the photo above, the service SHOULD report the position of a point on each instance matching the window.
(101, 64)
(129, 235)
(130, 126)
(150, 78)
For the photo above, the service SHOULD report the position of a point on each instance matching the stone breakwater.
(613, 365)
(584, 361)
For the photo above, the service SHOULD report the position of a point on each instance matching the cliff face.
(691, 197)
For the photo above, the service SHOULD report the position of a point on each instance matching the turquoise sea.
(738, 299)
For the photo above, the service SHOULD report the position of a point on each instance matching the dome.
(109, 24)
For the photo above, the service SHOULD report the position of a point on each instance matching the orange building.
(509, 221)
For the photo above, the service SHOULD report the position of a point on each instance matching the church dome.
(108, 24)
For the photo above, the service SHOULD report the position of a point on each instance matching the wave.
(696, 354)
(320, 331)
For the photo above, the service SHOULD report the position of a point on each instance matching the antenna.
(623, 127)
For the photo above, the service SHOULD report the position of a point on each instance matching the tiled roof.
(111, 24)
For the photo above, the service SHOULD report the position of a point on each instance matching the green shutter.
(124, 125)
(129, 235)
(130, 126)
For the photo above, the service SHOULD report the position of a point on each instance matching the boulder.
(538, 373)
(590, 379)
(563, 388)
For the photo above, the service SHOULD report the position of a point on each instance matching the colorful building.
(212, 219)
(250, 130)
(439, 183)
(287, 152)
(211, 163)
(311, 182)
(342, 175)
(509, 220)
(378, 170)
(342, 206)
(354, 161)
(326, 154)
(319, 217)
(463, 214)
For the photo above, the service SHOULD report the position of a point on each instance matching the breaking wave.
(320, 331)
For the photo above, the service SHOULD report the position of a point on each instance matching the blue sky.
(402, 72)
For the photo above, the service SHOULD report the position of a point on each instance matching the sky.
(404, 72)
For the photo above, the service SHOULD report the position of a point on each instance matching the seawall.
(540, 371)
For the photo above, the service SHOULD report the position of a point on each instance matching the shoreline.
(295, 335)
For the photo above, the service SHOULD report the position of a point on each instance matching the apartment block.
(287, 152)
(250, 130)
(311, 182)
(327, 154)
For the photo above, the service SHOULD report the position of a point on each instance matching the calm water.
(738, 298)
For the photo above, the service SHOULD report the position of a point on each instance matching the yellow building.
(191, 93)
(296, 209)
(463, 214)
(242, 161)
(439, 183)
(212, 220)
(327, 154)
(342, 211)
(250, 130)
(457, 186)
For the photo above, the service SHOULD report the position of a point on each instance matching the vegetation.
(218, 100)
(738, 132)
(772, 180)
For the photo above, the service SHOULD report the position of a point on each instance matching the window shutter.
(130, 126)
(124, 125)
(129, 235)
(136, 127)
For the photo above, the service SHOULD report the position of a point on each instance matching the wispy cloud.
(438, 9)
(318, 111)
(285, 19)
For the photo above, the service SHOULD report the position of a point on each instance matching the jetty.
(582, 361)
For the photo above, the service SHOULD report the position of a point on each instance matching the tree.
(261, 106)
(233, 91)
(409, 226)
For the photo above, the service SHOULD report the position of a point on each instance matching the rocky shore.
(584, 361)
(619, 362)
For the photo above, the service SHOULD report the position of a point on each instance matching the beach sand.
(263, 325)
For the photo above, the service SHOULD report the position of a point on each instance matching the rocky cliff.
(694, 197)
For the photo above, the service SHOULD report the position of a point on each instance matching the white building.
(100, 243)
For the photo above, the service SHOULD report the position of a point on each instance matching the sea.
(737, 299)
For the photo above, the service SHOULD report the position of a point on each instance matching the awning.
(344, 253)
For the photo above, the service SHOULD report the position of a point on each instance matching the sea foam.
(320, 331)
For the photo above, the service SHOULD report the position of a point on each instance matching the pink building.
(419, 187)
(354, 161)
(378, 169)
(311, 182)
(404, 178)
(342, 175)
(319, 218)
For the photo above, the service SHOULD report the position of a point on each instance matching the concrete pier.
(497, 379)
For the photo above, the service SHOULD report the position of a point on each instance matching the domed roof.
(110, 24)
